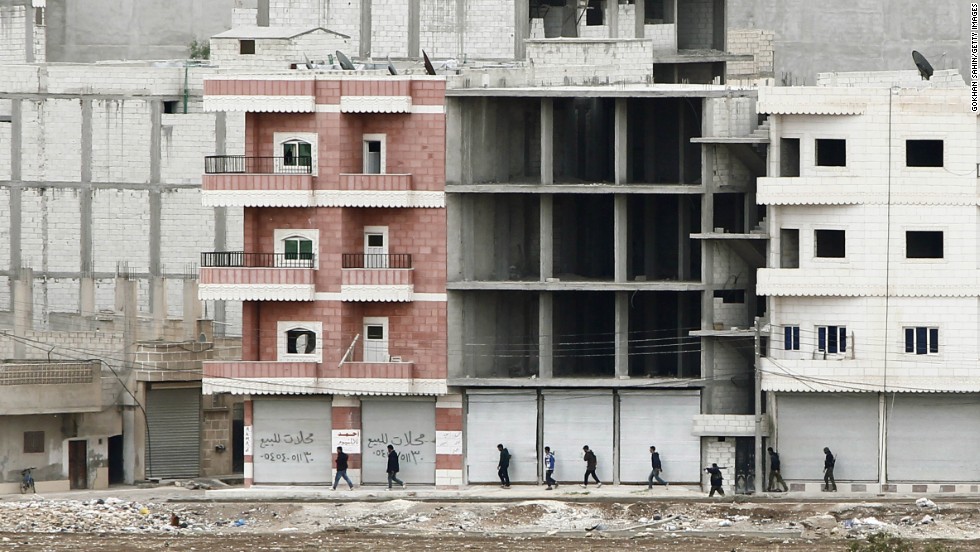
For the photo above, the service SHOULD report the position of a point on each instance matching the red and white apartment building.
(342, 275)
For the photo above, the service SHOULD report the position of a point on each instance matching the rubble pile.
(110, 515)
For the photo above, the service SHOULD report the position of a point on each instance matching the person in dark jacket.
(829, 461)
(502, 465)
(657, 468)
(717, 479)
(774, 474)
(393, 468)
(590, 464)
(342, 469)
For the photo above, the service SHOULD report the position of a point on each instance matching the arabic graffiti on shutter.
(409, 445)
(293, 448)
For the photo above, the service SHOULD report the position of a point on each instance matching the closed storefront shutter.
(664, 420)
(173, 418)
(845, 422)
(509, 418)
(409, 426)
(291, 441)
(576, 418)
(933, 437)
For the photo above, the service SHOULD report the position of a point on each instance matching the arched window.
(300, 341)
(297, 153)
(298, 251)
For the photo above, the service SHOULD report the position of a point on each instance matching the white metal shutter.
(664, 420)
(845, 422)
(173, 417)
(409, 426)
(291, 440)
(576, 418)
(509, 418)
(933, 437)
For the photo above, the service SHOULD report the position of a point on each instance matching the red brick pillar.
(346, 423)
(449, 441)
(248, 441)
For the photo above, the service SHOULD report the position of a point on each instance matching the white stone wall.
(727, 425)
(181, 211)
(663, 35)
(389, 28)
(755, 42)
(729, 116)
(695, 23)
(4, 231)
(437, 35)
(5, 132)
(244, 17)
(51, 144)
(120, 140)
(294, 13)
(12, 34)
(344, 16)
(278, 53)
(555, 62)
(120, 229)
(182, 139)
(723, 454)
(730, 363)
(489, 29)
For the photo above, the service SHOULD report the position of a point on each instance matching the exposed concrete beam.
(547, 141)
(622, 345)
(364, 50)
(620, 235)
(16, 142)
(522, 28)
(546, 329)
(620, 142)
(414, 26)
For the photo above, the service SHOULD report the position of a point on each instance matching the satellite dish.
(391, 68)
(344, 61)
(309, 64)
(429, 70)
(925, 69)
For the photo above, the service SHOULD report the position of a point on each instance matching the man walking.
(828, 470)
(393, 468)
(716, 480)
(590, 464)
(342, 469)
(657, 468)
(502, 465)
(549, 468)
(774, 475)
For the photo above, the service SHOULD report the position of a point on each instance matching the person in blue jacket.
(549, 468)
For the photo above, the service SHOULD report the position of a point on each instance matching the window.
(923, 245)
(832, 339)
(39, 17)
(171, 106)
(789, 157)
(376, 339)
(593, 15)
(730, 295)
(300, 341)
(246, 47)
(789, 248)
(374, 154)
(299, 250)
(33, 442)
(297, 153)
(830, 244)
(791, 338)
(922, 340)
(923, 153)
(831, 153)
(654, 12)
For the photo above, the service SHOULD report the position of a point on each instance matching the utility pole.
(758, 406)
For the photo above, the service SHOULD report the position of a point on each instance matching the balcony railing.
(377, 260)
(240, 259)
(240, 164)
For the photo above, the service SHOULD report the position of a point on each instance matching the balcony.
(50, 387)
(376, 182)
(241, 181)
(371, 277)
(277, 378)
(240, 276)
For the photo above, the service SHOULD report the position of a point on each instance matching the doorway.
(116, 474)
(375, 247)
(78, 464)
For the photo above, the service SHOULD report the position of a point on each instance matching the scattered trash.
(926, 520)
(925, 503)
(724, 523)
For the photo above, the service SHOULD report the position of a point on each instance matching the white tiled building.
(872, 281)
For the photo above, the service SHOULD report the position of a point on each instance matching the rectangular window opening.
(593, 14)
(300, 341)
(922, 340)
(831, 152)
(832, 339)
(654, 12)
(830, 244)
(33, 442)
(246, 47)
(373, 157)
(789, 157)
(923, 153)
(924, 245)
(730, 295)
(789, 248)
(791, 338)
(172, 106)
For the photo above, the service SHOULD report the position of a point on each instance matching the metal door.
(78, 464)
(845, 422)
(409, 426)
(920, 426)
(173, 440)
(576, 418)
(291, 441)
(508, 418)
(664, 420)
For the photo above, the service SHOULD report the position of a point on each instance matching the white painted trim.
(279, 235)
(375, 104)
(421, 297)
(256, 198)
(283, 326)
(324, 386)
(387, 198)
(415, 109)
(280, 138)
(256, 292)
(449, 442)
(379, 347)
(248, 470)
(260, 103)
(328, 108)
(377, 293)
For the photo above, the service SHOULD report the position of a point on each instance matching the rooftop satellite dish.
(309, 64)
(925, 69)
(344, 61)
(429, 70)
(391, 67)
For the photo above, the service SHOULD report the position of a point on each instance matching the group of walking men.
(591, 463)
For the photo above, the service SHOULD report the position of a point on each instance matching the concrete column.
(522, 28)
(86, 261)
(640, 13)
(546, 228)
(683, 241)
(882, 438)
(620, 244)
(547, 141)
(616, 437)
(158, 305)
(262, 17)
(23, 307)
(455, 335)
(28, 33)
(86, 300)
(612, 17)
(16, 141)
(622, 334)
(414, 28)
(191, 310)
(455, 146)
(365, 47)
(126, 303)
(620, 147)
(546, 329)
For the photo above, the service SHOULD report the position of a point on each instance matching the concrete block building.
(342, 275)
(871, 281)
